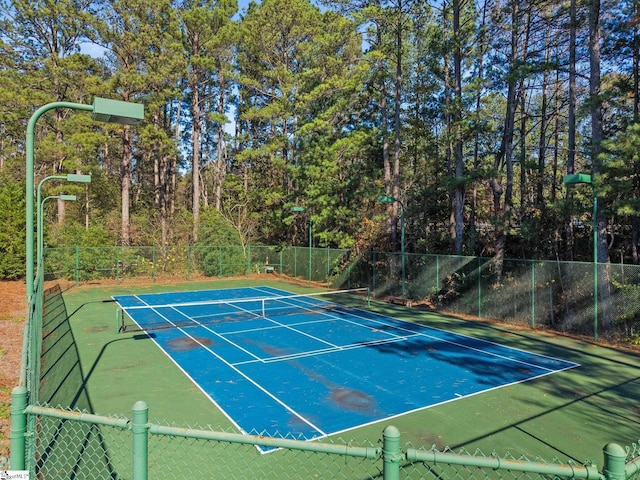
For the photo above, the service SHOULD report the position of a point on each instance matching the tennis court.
(315, 365)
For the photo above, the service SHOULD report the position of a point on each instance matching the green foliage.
(13, 231)
(220, 251)
(311, 93)
(72, 234)
(620, 178)
(60, 252)
(216, 230)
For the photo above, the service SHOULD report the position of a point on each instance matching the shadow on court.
(571, 414)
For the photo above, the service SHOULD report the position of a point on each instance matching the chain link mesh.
(445, 471)
(72, 449)
(229, 460)
(550, 294)
(68, 446)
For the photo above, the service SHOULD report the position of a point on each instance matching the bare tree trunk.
(556, 136)
(504, 159)
(596, 113)
(597, 135)
(164, 196)
(220, 163)
(125, 176)
(542, 141)
(459, 189)
(196, 118)
(635, 221)
(162, 180)
(384, 126)
(448, 109)
(476, 143)
(522, 158)
(571, 147)
(174, 175)
(397, 110)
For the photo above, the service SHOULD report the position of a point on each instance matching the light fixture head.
(576, 178)
(78, 178)
(116, 111)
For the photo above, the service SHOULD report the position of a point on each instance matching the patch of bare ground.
(13, 315)
(13, 306)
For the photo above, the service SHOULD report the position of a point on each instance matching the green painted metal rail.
(391, 458)
(495, 463)
(558, 294)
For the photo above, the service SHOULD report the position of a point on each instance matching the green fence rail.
(82, 264)
(540, 294)
(74, 444)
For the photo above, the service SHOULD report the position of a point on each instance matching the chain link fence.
(75, 444)
(570, 297)
(72, 442)
(85, 264)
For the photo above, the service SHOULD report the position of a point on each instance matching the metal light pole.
(66, 198)
(72, 177)
(574, 179)
(388, 199)
(103, 110)
(302, 209)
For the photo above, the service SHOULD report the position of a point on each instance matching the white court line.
(369, 320)
(196, 324)
(312, 353)
(249, 379)
(460, 345)
(413, 333)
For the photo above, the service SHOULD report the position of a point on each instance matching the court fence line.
(551, 295)
(388, 460)
(76, 443)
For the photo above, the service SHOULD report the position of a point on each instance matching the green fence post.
(18, 427)
(281, 262)
(220, 261)
(188, 262)
(117, 263)
(295, 262)
(479, 287)
(77, 265)
(139, 428)
(533, 295)
(437, 274)
(391, 453)
(373, 271)
(248, 260)
(328, 265)
(153, 263)
(614, 459)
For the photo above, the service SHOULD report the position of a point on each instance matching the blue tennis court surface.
(314, 371)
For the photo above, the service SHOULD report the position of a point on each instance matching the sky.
(97, 51)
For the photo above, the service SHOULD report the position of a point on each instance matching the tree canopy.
(467, 113)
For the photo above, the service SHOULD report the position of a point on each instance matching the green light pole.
(388, 199)
(302, 209)
(72, 177)
(103, 110)
(66, 198)
(575, 179)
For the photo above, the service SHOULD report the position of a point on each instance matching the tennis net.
(192, 314)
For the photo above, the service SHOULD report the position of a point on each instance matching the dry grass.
(12, 316)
